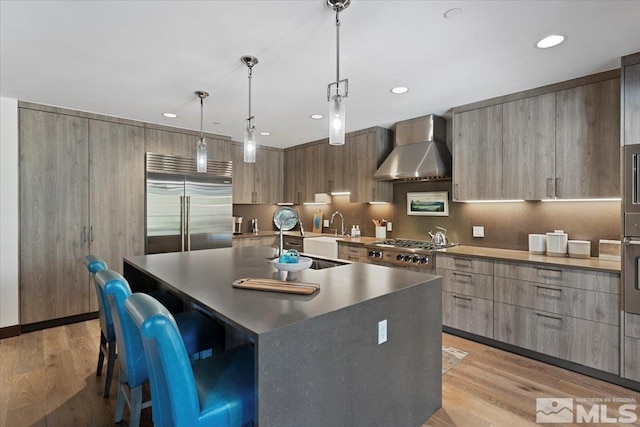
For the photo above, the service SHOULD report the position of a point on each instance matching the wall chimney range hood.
(420, 152)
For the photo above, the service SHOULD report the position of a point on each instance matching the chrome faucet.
(301, 227)
(341, 222)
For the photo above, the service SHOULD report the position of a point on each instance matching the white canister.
(537, 244)
(557, 243)
(579, 248)
(381, 232)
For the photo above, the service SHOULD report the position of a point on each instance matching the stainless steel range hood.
(421, 153)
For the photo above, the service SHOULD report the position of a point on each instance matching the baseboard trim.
(565, 364)
(58, 322)
(9, 331)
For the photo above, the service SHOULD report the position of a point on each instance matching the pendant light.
(201, 150)
(250, 130)
(335, 94)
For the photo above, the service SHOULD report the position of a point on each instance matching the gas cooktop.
(411, 244)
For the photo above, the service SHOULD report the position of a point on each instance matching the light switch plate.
(478, 231)
(325, 223)
(389, 227)
(382, 331)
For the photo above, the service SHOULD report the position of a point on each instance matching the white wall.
(9, 224)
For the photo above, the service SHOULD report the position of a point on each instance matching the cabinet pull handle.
(558, 187)
(462, 298)
(634, 179)
(330, 185)
(548, 288)
(456, 261)
(182, 223)
(549, 184)
(91, 234)
(463, 275)
(547, 316)
(455, 190)
(555, 270)
(83, 236)
(373, 194)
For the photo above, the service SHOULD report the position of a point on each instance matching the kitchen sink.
(321, 264)
(321, 246)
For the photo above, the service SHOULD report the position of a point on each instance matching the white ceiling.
(138, 59)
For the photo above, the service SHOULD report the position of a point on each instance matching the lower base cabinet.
(581, 341)
(352, 252)
(255, 241)
(467, 313)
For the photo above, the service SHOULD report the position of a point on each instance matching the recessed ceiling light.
(317, 116)
(265, 133)
(452, 13)
(170, 115)
(215, 123)
(550, 41)
(400, 89)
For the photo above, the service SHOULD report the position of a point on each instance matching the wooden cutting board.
(273, 285)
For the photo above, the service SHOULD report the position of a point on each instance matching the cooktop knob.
(399, 257)
(406, 258)
(424, 260)
(416, 258)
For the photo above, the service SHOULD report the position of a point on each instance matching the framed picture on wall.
(434, 203)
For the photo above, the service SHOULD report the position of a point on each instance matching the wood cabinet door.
(632, 104)
(477, 154)
(467, 313)
(588, 141)
(289, 184)
(338, 167)
(528, 147)
(171, 143)
(54, 216)
(243, 177)
(269, 172)
(365, 152)
(116, 193)
(219, 149)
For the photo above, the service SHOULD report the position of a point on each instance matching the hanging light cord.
(250, 74)
(201, 115)
(337, 50)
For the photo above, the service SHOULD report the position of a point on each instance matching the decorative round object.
(285, 218)
(302, 264)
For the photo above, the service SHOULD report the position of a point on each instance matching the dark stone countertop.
(207, 275)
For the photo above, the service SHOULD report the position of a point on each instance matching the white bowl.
(579, 248)
(302, 264)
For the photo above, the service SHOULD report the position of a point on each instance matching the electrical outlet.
(325, 223)
(382, 331)
(389, 227)
(478, 231)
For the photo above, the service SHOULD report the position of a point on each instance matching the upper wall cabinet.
(588, 141)
(631, 98)
(477, 154)
(528, 147)
(260, 182)
(560, 141)
(322, 168)
(182, 143)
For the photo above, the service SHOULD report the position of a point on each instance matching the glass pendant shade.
(201, 155)
(337, 120)
(250, 145)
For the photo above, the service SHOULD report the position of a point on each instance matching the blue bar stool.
(218, 391)
(197, 331)
(107, 335)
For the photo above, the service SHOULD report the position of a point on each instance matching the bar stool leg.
(111, 361)
(103, 343)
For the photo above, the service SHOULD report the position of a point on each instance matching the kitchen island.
(318, 361)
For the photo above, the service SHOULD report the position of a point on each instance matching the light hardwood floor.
(47, 378)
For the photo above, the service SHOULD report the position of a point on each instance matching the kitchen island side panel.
(330, 370)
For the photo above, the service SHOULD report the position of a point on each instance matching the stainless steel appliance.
(421, 152)
(415, 255)
(187, 210)
(631, 239)
(237, 225)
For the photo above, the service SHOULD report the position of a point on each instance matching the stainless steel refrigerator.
(187, 210)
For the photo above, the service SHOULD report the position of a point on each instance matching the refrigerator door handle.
(182, 223)
(187, 218)
(630, 241)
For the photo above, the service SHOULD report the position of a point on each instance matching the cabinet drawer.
(466, 264)
(351, 250)
(292, 242)
(576, 278)
(589, 305)
(632, 325)
(467, 313)
(474, 284)
(577, 340)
